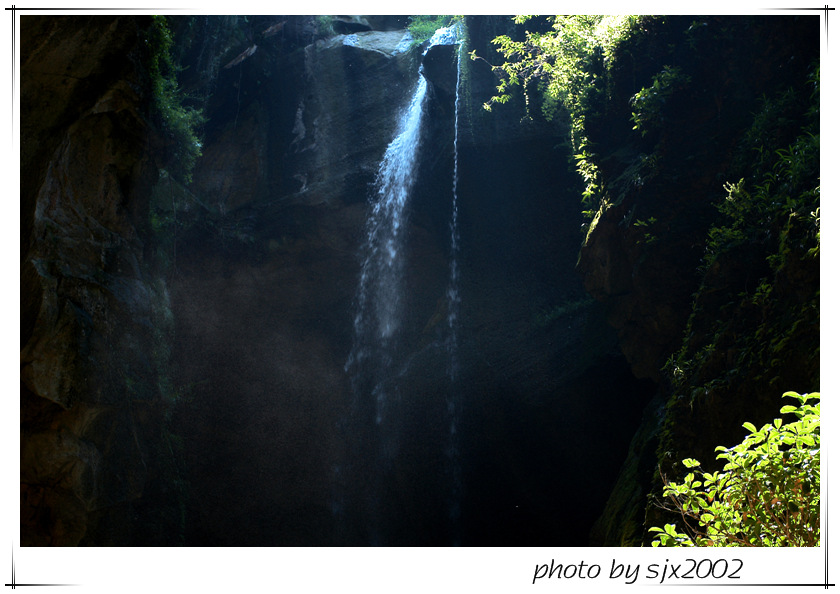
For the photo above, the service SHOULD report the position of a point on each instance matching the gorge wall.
(184, 343)
(94, 367)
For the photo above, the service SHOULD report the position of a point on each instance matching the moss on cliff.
(178, 119)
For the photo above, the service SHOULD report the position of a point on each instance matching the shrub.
(768, 493)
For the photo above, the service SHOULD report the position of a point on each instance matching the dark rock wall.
(538, 359)
(263, 294)
(94, 318)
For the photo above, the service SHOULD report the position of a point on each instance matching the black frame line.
(825, 9)
(14, 584)
(14, 64)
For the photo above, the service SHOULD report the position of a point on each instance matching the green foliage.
(324, 25)
(768, 493)
(786, 195)
(769, 218)
(648, 102)
(784, 204)
(423, 26)
(563, 59)
(647, 225)
(179, 121)
(570, 65)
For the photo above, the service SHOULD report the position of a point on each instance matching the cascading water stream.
(375, 363)
(453, 298)
(379, 296)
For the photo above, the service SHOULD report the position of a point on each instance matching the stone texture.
(305, 129)
(90, 414)
(440, 68)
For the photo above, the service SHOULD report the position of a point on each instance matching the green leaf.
(771, 477)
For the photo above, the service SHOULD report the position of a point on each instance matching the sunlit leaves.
(568, 66)
(768, 493)
(561, 59)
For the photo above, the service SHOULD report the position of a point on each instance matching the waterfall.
(379, 296)
(453, 299)
(376, 361)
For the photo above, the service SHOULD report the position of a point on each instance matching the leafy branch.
(768, 493)
(648, 102)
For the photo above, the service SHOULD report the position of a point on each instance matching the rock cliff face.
(646, 274)
(299, 125)
(93, 316)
